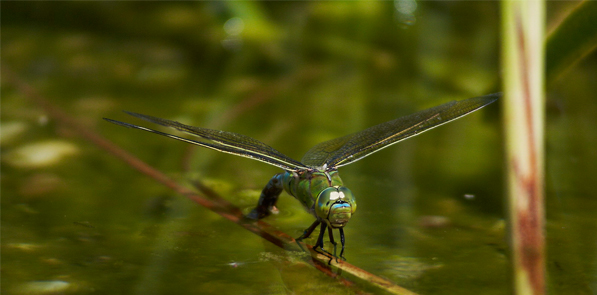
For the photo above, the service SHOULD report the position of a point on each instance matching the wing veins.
(225, 148)
(231, 139)
(350, 148)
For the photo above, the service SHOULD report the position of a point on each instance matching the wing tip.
(494, 96)
(119, 123)
(485, 100)
(140, 116)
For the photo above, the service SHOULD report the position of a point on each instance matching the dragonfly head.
(335, 205)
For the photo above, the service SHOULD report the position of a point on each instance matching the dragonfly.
(314, 181)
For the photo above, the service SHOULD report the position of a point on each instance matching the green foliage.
(572, 40)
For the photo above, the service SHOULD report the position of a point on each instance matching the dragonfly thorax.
(335, 205)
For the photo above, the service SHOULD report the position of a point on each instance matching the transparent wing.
(345, 150)
(227, 142)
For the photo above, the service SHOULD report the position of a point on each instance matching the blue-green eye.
(335, 205)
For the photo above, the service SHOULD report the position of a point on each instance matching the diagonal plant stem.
(210, 199)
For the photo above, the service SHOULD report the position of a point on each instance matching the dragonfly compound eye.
(335, 205)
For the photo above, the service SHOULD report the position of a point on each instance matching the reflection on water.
(430, 208)
(405, 11)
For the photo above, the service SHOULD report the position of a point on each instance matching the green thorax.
(306, 186)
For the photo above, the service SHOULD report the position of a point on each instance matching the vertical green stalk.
(523, 109)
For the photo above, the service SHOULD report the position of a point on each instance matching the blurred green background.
(290, 74)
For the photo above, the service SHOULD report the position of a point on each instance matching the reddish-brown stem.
(214, 203)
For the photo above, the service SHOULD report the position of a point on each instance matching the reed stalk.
(523, 119)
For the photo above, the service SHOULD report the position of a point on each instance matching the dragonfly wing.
(323, 152)
(345, 150)
(227, 142)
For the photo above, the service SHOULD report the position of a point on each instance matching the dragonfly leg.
(320, 240)
(331, 234)
(342, 242)
(269, 197)
(307, 233)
